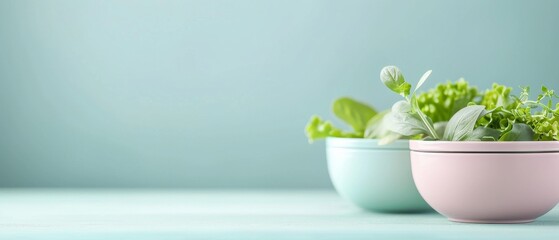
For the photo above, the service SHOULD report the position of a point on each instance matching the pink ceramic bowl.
(487, 182)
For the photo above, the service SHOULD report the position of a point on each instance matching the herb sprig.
(497, 116)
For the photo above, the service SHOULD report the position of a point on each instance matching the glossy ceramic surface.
(373, 177)
(492, 182)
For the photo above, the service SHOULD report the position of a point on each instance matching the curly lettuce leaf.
(318, 129)
(497, 96)
(443, 101)
(519, 118)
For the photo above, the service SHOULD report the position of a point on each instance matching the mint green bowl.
(375, 178)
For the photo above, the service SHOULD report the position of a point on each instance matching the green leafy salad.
(494, 115)
(439, 104)
(452, 111)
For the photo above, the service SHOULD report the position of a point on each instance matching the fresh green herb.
(352, 112)
(519, 118)
(483, 134)
(408, 118)
(519, 132)
(451, 111)
(443, 101)
(318, 129)
(405, 121)
(493, 115)
(378, 128)
(461, 125)
(394, 80)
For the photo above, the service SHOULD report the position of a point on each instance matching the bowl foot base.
(491, 221)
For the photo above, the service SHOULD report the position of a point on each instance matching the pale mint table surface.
(200, 214)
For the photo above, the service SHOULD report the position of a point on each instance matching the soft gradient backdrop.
(216, 93)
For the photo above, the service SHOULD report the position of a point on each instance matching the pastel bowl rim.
(365, 143)
(484, 146)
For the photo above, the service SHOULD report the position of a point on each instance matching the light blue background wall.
(216, 93)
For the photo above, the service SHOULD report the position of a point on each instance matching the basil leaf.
(401, 106)
(392, 78)
(402, 121)
(440, 127)
(463, 122)
(427, 122)
(354, 113)
(389, 138)
(519, 132)
(407, 124)
(378, 128)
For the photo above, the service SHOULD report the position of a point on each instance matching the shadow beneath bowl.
(550, 219)
(400, 212)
